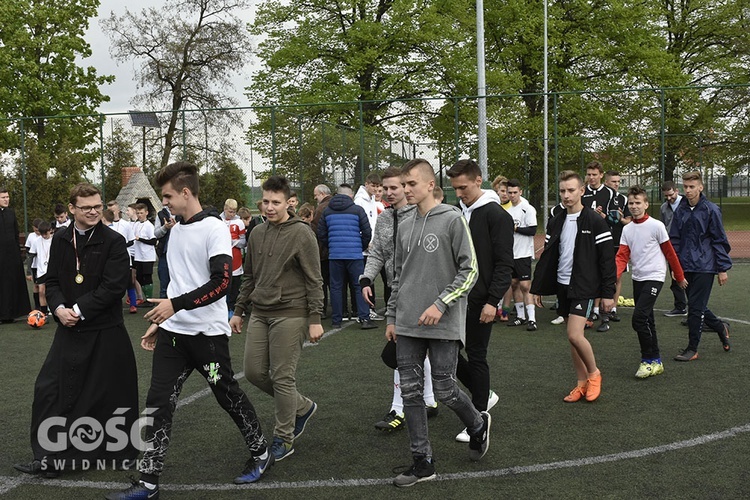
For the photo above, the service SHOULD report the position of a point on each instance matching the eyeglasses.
(95, 208)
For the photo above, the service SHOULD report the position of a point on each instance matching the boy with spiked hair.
(645, 243)
(190, 332)
(435, 268)
(578, 264)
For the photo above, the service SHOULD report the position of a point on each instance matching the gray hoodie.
(381, 248)
(434, 264)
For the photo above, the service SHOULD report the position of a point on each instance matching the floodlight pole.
(481, 93)
(545, 161)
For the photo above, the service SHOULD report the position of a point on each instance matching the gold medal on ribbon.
(79, 278)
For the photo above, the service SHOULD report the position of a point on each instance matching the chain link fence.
(634, 132)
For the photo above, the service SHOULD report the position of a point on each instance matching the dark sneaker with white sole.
(137, 491)
(480, 443)
(255, 468)
(423, 469)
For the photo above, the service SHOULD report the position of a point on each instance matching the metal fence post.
(23, 177)
(663, 137)
(455, 130)
(101, 154)
(273, 140)
(361, 144)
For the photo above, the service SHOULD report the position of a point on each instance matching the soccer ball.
(36, 319)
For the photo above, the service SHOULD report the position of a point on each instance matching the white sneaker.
(558, 320)
(375, 316)
(492, 400)
(463, 436)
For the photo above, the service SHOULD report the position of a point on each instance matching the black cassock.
(14, 295)
(90, 371)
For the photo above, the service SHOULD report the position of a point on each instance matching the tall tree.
(41, 45)
(374, 51)
(187, 50)
(119, 152)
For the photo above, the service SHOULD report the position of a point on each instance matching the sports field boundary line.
(237, 376)
(8, 483)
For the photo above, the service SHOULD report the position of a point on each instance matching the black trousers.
(474, 371)
(698, 293)
(175, 358)
(645, 294)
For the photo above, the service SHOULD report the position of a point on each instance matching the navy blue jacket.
(698, 237)
(344, 229)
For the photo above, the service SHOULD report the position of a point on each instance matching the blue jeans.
(698, 293)
(342, 272)
(410, 353)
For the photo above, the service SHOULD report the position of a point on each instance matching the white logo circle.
(431, 243)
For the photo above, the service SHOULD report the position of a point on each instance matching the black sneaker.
(36, 468)
(675, 313)
(591, 320)
(137, 491)
(432, 411)
(517, 322)
(613, 316)
(367, 325)
(480, 443)
(255, 468)
(531, 327)
(345, 316)
(422, 470)
(686, 355)
(724, 336)
(604, 327)
(391, 422)
(301, 421)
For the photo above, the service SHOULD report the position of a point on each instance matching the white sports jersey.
(644, 240)
(567, 246)
(191, 246)
(144, 252)
(40, 247)
(30, 239)
(524, 215)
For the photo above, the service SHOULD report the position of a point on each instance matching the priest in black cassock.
(14, 295)
(86, 393)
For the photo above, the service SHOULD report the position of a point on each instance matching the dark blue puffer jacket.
(344, 228)
(698, 237)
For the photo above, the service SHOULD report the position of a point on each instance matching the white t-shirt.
(524, 215)
(567, 247)
(191, 246)
(644, 240)
(145, 231)
(30, 239)
(40, 247)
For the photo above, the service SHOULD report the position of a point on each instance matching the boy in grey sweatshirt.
(435, 268)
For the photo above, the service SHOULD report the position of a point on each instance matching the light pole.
(481, 93)
(545, 140)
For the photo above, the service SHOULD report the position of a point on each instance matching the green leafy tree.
(374, 51)
(187, 51)
(119, 152)
(41, 46)
(224, 179)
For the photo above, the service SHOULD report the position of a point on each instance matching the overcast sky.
(123, 89)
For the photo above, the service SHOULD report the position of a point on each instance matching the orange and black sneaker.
(594, 387)
(576, 394)
(591, 320)
(687, 355)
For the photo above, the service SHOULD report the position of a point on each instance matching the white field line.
(8, 483)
